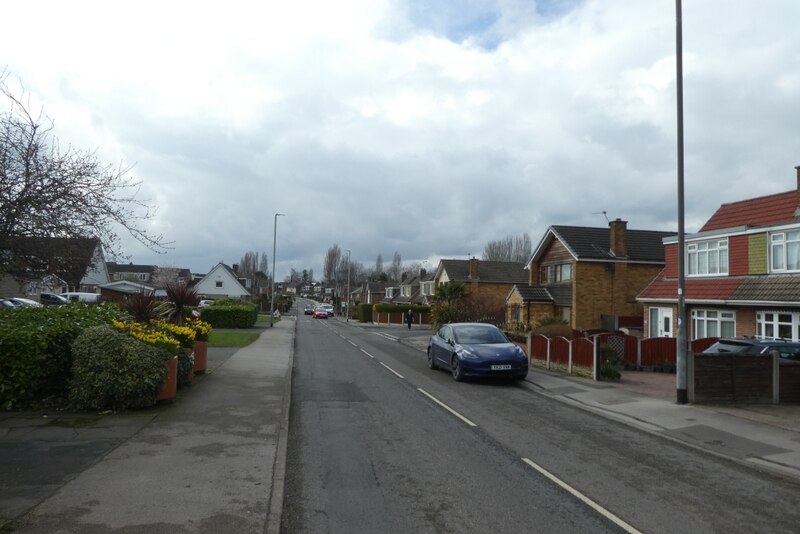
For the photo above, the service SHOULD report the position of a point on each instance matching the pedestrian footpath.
(212, 462)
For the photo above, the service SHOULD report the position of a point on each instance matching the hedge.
(243, 315)
(36, 348)
(415, 308)
(364, 313)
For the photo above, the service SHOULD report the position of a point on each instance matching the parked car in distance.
(309, 310)
(26, 303)
(476, 349)
(52, 299)
(328, 308)
(788, 350)
(8, 303)
(78, 296)
(205, 303)
(320, 313)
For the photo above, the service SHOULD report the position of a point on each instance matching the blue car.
(476, 349)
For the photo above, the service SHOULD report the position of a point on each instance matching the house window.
(707, 257)
(389, 292)
(218, 283)
(713, 323)
(785, 251)
(777, 325)
(566, 314)
(551, 274)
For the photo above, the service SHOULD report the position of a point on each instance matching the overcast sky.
(424, 127)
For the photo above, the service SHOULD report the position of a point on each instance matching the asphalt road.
(380, 443)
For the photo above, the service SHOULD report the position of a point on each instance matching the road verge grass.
(231, 339)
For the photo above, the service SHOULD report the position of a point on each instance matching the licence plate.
(501, 367)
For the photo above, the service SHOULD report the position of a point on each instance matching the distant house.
(589, 277)
(143, 274)
(742, 273)
(220, 282)
(37, 265)
(489, 282)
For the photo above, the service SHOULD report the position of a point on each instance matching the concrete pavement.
(213, 460)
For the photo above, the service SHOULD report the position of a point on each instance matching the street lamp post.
(272, 291)
(681, 355)
(347, 307)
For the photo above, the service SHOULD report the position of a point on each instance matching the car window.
(479, 334)
(730, 346)
(444, 333)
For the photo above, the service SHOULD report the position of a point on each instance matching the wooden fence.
(643, 354)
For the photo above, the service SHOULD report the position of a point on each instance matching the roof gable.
(503, 272)
(586, 243)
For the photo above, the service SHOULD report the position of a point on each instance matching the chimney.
(235, 268)
(473, 269)
(619, 239)
(422, 273)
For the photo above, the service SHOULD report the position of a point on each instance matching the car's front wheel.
(431, 362)
(457, 369)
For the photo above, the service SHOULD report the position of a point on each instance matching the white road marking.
(586, 500)
(368, 354)
(392, 370)
(446, 407)
(387, 336)
(352, 343)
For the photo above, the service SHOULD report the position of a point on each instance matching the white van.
(76, 296)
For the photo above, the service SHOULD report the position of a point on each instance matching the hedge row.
(415, 308)
(36, 348)
(224, 315)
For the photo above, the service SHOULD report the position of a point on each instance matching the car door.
(441, 349)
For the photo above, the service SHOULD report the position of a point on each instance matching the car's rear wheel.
(456, 369)
(431, 362)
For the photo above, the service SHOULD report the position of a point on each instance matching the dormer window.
(784, 254)
(706, 258)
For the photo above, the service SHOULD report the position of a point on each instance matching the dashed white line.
(352, 343)
(586, 500)
(446, 407)
(392, 370)
(368, 354)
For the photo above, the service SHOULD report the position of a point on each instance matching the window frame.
(699, 256)
(780, 243)
(704, 316)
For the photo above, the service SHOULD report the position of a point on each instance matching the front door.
(660, 322)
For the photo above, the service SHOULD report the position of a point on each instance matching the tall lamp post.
(681, 356)
(347, 307)
(272, 291)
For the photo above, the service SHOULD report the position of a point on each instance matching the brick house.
(742, 273)
(589, 277)
(489, 282)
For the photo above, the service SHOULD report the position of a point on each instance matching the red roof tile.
(696, 289)
(768, 210)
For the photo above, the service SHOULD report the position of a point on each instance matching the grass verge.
(231, 339)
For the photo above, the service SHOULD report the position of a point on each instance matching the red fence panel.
(631, 350)
(539, 347)
(559, 350)
(583, 352)
(657, 350)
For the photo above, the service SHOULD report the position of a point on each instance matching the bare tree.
(48, 192)
(332, 260)
(396, 269)
(510, 248)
